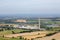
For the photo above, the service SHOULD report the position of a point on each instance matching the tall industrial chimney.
(39, 23)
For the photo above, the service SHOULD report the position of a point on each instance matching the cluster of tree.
(25, 38)
(3, 28)
(26, 31)
(51, 34)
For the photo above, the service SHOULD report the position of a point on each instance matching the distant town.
(25, 28)
(29, 23)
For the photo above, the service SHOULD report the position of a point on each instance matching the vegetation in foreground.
(2, 38)
(7, 32)
(2, 33)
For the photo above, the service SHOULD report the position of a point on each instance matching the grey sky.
(29, 6)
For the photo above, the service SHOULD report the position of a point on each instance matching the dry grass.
(29, 35)
(56, 36)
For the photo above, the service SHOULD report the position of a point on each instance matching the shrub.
(25, 38)
(21, 37)
(3, 36)
(13, 32)
(12, 37)
(53, 39)
(38, 33)
(32, 39)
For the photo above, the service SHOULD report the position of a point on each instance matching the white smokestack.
(39, 23)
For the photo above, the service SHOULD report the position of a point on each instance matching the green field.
(1, 38)
(6, 32)
(10, 31)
